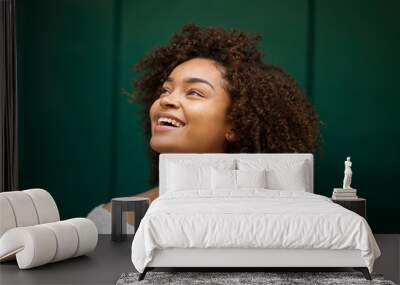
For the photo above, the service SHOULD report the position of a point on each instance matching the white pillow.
(293, 178)
(228, 179)
(193, 174)
(181, 177)
(251, 178)
(223, 179)
(281, 174)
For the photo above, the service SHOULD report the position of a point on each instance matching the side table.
(358, 205)
(138, 205)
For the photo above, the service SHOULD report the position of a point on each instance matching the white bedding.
(251, 218)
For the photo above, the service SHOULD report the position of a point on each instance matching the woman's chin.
(164, 147)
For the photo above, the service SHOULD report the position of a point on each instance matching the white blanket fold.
(252, 218)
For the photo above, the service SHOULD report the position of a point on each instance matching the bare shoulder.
(151, 194)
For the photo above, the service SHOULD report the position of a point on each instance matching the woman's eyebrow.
(192, 80)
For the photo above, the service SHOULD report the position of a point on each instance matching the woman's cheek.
(205, 130)
(154, 107)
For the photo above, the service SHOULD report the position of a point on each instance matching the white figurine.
(347, 174)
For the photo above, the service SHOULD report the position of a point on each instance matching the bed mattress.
(251, 219)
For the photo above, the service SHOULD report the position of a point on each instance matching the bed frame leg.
(143, 274)
(364, 271)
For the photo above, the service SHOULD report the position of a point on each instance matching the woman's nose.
(169, 100)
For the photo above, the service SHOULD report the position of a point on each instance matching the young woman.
(208, 91)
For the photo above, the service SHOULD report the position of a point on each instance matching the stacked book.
(344, 194)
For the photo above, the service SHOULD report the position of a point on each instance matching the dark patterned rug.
(229, 278)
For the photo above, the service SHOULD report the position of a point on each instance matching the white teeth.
(172, 121)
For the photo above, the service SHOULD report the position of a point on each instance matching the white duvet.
(252, 218)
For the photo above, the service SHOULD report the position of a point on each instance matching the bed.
(244, 211)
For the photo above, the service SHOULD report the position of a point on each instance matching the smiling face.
(194, 95)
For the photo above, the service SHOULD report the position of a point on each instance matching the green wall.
(356, 92)
(65, 65)
(81, 139)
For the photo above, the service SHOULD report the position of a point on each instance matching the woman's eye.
(195, 93)
(163, 90)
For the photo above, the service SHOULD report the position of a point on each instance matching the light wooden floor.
(388, 263)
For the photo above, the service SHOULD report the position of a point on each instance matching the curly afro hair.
(269, 112)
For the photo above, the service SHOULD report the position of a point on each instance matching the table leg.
(140, 211)
(118, 225)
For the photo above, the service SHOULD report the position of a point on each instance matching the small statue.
(347, 174)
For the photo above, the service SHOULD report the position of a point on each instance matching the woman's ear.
(230, 135)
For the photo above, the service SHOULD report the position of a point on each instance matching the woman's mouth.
(164, 121)
(167, 124)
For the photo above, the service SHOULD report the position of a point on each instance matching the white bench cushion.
(40, 244)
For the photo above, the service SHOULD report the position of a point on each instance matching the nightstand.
(138, 205)
(358, 205)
